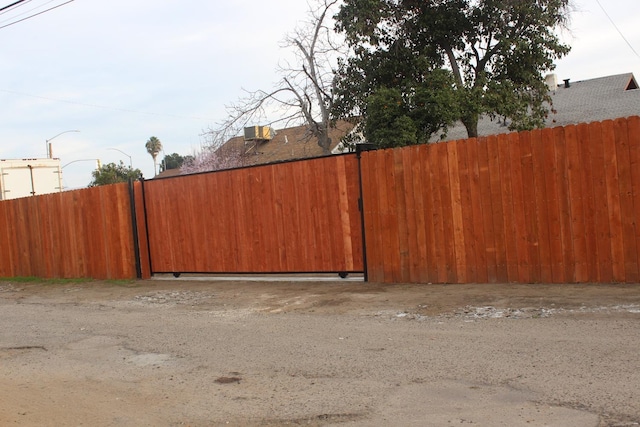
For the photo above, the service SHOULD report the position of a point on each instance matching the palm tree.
(154, 146)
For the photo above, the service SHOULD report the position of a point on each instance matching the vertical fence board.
(493, 150)
(588, 201)
(541, 199)
(278, 218)
(6, 261)
(510, 241)
(333, 196)
(519, 212)
(458, 224)
(613, 201)
(435, 222)
(486, 201)
(441, 208)
(411, 195)
(371, 172)
(568, 259)
(417, 192)
(633, 124)
(475, 197)
(626, 201)
(391, 224)
(402, 214)
(552, 178)
(446, 201)
(575, 177)
(603, 235)
(529, 190)
(355, 214)
(471, 243)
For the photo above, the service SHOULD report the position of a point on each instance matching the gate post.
(359, 149)
(134, 227)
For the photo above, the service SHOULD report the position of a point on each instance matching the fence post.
(359, 149)
(134, 225)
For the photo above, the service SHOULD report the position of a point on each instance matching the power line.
(13, 4)
(36, 14)
(25, 12)
(617, 29)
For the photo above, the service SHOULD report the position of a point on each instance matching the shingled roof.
(287, 144)
(584, 101)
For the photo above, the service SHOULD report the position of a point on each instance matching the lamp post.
(98, 163)
(130, 162)
(48, 144)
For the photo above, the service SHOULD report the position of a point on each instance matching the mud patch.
(172, 298)
(489, 312)
(8, 288)
(9, 352)
(316, 421)
(228, 380)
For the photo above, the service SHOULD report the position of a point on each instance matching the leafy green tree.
(154, 147)
(173, 161)
(450, 60)
(112, 173)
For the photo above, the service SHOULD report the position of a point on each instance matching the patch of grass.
(30, 279)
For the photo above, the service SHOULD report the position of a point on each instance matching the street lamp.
(84, 160)
(98, 164)
(48, 144)
(130, 162)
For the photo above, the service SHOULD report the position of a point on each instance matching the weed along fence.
(548, 206)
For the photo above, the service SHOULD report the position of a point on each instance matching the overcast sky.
(122, 71)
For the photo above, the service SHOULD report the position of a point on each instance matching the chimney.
(552, 81)
(567, 84)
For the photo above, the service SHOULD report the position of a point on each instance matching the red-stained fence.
(83, 233)
(291, 217)
(548, 206)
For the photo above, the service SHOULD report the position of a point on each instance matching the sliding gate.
(294, 217)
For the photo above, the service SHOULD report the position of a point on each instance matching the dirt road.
(206, 353)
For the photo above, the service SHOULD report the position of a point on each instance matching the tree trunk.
(470, 122)
(325, 142)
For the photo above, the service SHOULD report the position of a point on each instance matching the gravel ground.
(250, 353)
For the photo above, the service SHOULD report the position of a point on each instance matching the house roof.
(584, 101)
(168, 173)
(287, 144)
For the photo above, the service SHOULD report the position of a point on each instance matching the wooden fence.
(290, 217)
(83, 233)
(548, 206)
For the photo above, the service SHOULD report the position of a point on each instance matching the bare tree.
(212, 159)
(305, 94)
